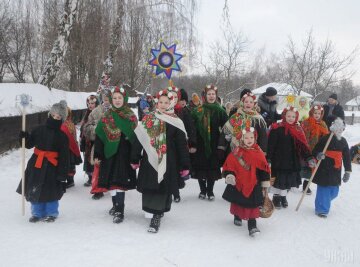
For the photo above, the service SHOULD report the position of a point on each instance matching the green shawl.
(202, 116)
(114, 122)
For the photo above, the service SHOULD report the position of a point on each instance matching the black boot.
(253, 230)
(112, 210)
(49, 219)
(277, 201)
(88, 182)
(155, 223)
(119, 207)
(284, 202)
(305, 183)
(177, 198)
(210, 189)
(237, 221)
(34, 219)
(202, 184)
(70, 182)
(97, 196)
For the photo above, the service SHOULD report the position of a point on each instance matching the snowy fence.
(11, 126)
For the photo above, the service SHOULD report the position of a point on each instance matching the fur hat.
(60, 108)
(333, 96)
(183, 95)
(270, 91)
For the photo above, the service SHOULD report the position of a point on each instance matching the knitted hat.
(60, 108)
(243, 92)
(270, 91)
(183, 95)
(333, 96)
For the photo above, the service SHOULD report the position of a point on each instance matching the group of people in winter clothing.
(255, 149)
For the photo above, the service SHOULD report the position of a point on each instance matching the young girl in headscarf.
(114, 138)
(287, 145)
(209, 118)
(314, 128)
(161, 136)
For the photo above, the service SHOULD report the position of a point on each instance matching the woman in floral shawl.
(113, 142)
(161, 136)
(314, 128)
(231, 132)
(209, 118)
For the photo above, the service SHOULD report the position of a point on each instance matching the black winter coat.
(268, 110)
(185, 115)
(326, 174)
(116, 170)
(338, 112)
(256, 198)
(203, 167)
(44, 184)
(282, 152)
(177, 159)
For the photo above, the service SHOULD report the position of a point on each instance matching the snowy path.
(194, 233)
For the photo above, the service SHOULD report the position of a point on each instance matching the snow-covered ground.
(194, 233)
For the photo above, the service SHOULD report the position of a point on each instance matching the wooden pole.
(314, 172)
(23, 164)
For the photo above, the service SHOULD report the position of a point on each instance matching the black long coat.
(177, 158)
(282, 153)
(116, 170)
(268, 110)
(256, 198)
(338, 112)
(326, 174)
(203, 167)
(185, 115)
(44, 184)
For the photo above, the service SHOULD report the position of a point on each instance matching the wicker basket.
(268, 207)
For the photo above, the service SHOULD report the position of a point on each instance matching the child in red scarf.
(246, 172)
(287, 145)
(314, 128)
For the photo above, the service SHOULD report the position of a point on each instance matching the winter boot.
(202, 184)
(237, 221)
(97, 196)
(154, 224)
(112, 210)
(284, 202)
(70, 182)
(177, 199)
(253, 230)
(211, 196)
(322, 215)
(88, 182)
(210, 189)
(49, 219)
(277, 201)
(34, 219)
(119, 207)
(305, 183)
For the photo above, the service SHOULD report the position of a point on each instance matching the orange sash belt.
(50, 155)
(336, 156)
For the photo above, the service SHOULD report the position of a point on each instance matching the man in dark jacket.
(333, 110)
(267, 103)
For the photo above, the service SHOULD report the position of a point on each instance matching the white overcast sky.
(269, 23)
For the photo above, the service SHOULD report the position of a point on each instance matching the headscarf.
(114, 122)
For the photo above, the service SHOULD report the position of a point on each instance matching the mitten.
(135, 166)
(320, 156)
(346, 177)
(23, 134)
(312, 163)
(230, 179)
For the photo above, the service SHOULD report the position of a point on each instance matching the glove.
(230, 179)
(346, 177)
(228, 137)
(23, 134)
(312, 163)
(320, 156)
(184, 173)
(135, 166)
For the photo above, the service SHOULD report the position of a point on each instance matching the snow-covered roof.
(282, 89)
(41, 98)
(354, 102)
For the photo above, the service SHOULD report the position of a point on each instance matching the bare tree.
(5, 24)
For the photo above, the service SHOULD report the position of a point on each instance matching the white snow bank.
(283, 89)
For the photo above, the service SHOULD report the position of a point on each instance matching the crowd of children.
(175, 139)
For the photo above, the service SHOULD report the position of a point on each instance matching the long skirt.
(156, 203)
